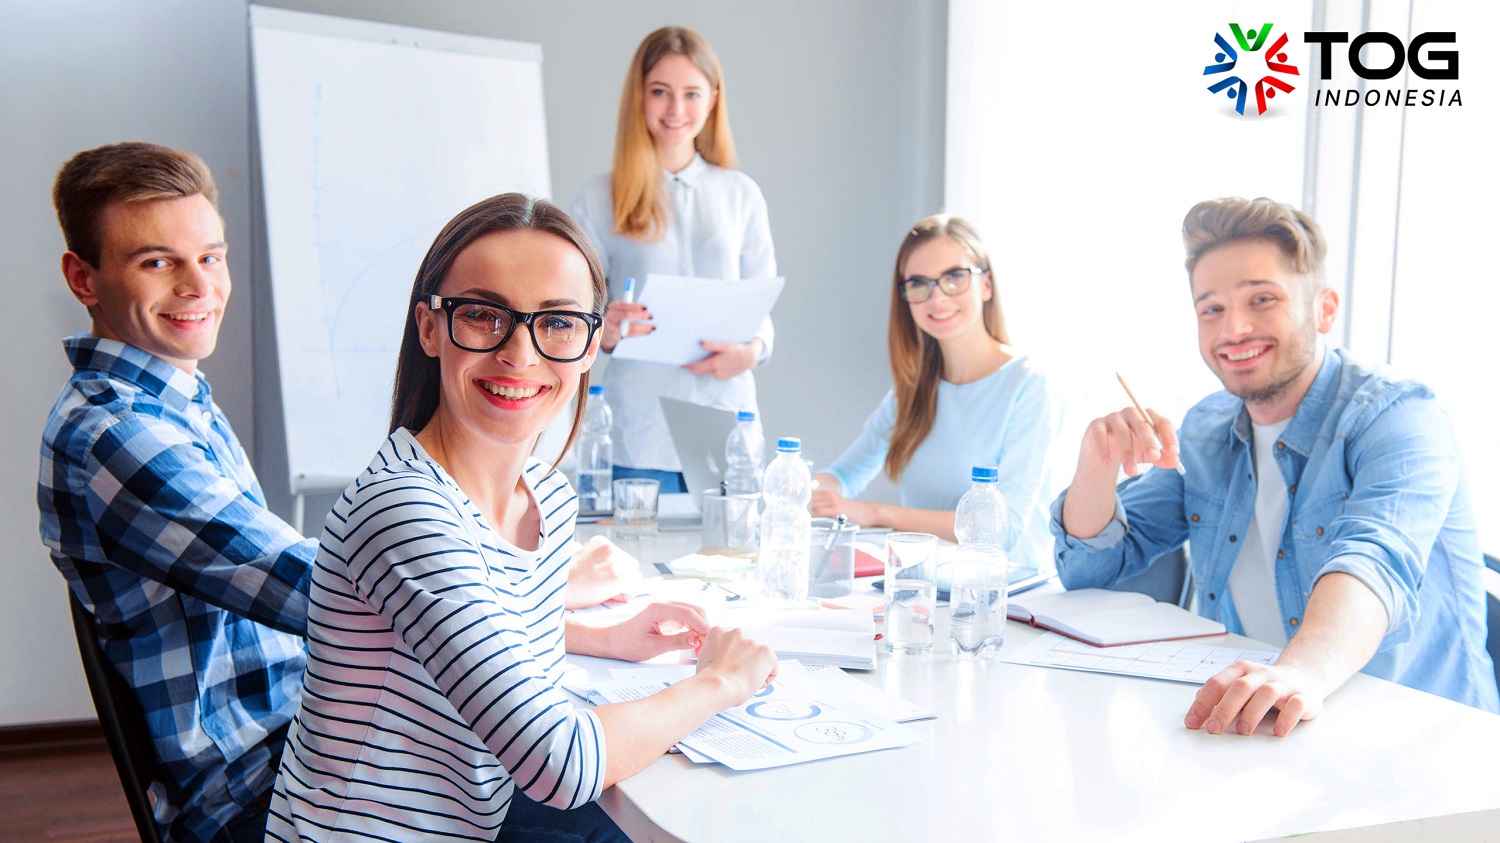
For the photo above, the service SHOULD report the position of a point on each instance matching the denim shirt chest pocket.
(1312, 530)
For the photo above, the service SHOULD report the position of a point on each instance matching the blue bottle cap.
(985, 474)
(745, 415)
(789, 445)
(596, 390)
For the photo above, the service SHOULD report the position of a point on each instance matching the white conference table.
(1030, 753)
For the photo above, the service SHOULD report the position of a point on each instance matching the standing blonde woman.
(675, 205)
(962, 397)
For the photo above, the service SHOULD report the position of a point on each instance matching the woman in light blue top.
(962, 397)
(673, 205)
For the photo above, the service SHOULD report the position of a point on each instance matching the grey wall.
(837, 109)
(838, 113)
(77, 74)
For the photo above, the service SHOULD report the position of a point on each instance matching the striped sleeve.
(414, 557)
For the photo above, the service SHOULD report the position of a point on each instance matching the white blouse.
(716, 228)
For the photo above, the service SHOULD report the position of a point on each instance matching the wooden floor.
(71, 796)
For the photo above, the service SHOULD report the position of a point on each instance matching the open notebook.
(1110, 618)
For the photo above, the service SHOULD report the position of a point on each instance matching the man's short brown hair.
(1221, 221)
(122, 172)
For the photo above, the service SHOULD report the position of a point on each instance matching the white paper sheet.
(1175, 661)
(790, 721)
(686, 310)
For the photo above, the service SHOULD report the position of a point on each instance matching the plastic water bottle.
(596, 455)
(786, 525)
(982, 516)
(980, 568)
(743, 454)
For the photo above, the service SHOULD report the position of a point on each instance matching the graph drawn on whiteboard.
(372, 137)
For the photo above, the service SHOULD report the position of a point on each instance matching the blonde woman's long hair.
(916, 358)
(635, 182)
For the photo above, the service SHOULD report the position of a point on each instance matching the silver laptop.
(698, 435)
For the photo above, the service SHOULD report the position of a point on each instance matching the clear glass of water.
(636, 501)
(976, 600)
(910, 592)
(731, 523)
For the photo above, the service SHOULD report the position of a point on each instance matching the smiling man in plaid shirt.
(148, 505)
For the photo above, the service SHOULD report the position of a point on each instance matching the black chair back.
(123, 722)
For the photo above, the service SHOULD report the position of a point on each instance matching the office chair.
(1492, 604)
(1166, 579)
(124, 723)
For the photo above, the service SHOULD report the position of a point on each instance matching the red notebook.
(868, 564)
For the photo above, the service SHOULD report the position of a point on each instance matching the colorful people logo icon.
(1227, 59)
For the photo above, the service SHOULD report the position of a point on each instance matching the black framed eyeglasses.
(956, 280)
(561, 336)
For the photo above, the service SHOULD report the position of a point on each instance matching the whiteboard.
(372, 137)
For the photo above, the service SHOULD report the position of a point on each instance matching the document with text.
(790, 721)
(1175, 661)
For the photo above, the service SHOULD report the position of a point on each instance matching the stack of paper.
(839, 637)
(792, 720)
(1175, 661)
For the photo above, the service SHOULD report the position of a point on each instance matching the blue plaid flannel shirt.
(199, 593)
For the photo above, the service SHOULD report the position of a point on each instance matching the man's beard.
(1306, 352)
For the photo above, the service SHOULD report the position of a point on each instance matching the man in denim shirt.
(1324, 504)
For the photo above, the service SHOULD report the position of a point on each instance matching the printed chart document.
(686, 310)
(867, 696)
(1176, 661)
(1110, 618)
(790, 721)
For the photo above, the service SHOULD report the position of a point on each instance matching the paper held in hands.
(1110, 618)
(686, 310)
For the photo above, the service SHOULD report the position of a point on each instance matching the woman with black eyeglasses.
(431, 707)
(962, 397)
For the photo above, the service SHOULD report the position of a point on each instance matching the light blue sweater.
(1008, 419)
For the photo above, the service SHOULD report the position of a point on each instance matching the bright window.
(1077, 140)
(1447, 287)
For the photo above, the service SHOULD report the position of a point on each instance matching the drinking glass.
(910, 592)
(635, 507)
(731, 523)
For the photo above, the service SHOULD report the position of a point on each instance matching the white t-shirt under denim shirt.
(717, 227)
(1252, 580)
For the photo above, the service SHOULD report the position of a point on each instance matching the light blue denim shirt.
(1377, 491)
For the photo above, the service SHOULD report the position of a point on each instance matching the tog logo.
(1268, 70)
(1386, 59)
